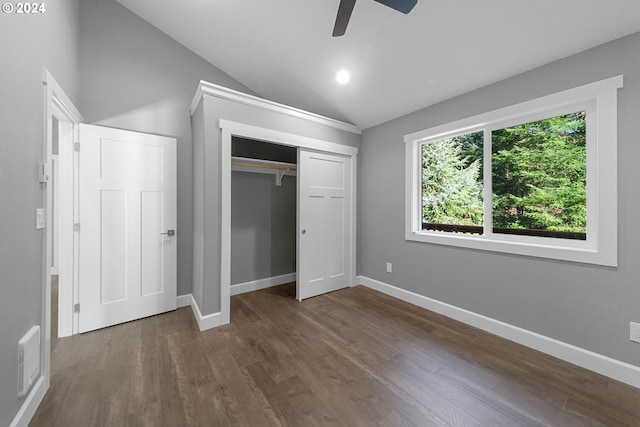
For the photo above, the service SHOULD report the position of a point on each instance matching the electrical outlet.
(389, 267)
(634, 332)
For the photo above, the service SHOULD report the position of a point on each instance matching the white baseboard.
(204, 321)
(255, 285)
(183, 300)
(618, 370)
(30, 404)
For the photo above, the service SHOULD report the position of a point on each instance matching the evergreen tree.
(539, 174)
(451, 189)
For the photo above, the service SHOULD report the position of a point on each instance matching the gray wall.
(135, 77)
(28, 44)
(263, 226)
(587, 306)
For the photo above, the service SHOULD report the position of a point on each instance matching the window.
(537, 178)
(451, 184)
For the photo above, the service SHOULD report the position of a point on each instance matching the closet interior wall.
(263, 216)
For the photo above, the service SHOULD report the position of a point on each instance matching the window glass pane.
(539, 178)
(452, 184)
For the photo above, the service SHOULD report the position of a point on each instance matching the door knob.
(304, 232)
(169, 233)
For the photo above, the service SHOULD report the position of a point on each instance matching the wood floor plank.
(490, 411)
(286, 413)
(228, 337)
(202, 386)
(595, 409)
(537, 404)
(234, 393)
(174, 407)
(313, 410)
(353, 357)
(262, 303)
(285, 342)
(376, 334)
(267, 354)
(243, 313)
(394, 419)
(353, 393)
(384, 371)
(243, 402)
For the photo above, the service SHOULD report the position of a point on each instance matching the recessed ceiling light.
(342, 77)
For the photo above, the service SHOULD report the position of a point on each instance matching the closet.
(263, 214)
(258, 222)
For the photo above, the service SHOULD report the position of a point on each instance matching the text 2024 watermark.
(24, 8)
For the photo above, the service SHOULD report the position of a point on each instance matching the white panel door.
(127, 205)
(324, 223)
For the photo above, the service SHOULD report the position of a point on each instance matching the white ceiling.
(283, 49)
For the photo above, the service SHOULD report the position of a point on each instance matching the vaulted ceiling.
(283, 49)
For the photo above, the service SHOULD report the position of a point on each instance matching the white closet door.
(127, 255)
(324, 224)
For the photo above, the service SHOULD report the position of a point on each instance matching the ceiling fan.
(346, 7)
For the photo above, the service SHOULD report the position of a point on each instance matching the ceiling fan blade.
(403, 6)
(342, 20)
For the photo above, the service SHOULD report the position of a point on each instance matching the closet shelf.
(279, 169)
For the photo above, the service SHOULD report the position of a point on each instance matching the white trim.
(60, 97)
(76, 236)
(284, 138)
(206, 88)
(254, 285)
(55, 240)
(66, 236)
(599, 99)
(204, 322)
(225, 223)
(618, 370)
(183, 300)
(30, 405)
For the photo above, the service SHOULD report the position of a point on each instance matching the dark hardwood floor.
(354, 357)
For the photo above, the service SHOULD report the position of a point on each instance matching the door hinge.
(76, 226)
(44, 172)
(76, 308)
(76, 147)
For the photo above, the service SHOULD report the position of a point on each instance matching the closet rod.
(256, 165)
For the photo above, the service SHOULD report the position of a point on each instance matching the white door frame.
(56, 104)
(229, 129)
(55, 239)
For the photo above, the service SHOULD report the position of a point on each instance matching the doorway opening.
(61, 119)
(346, 154)
(263, 214)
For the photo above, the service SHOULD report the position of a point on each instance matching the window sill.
(582, 251)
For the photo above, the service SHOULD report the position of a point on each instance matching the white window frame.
(599, 99)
